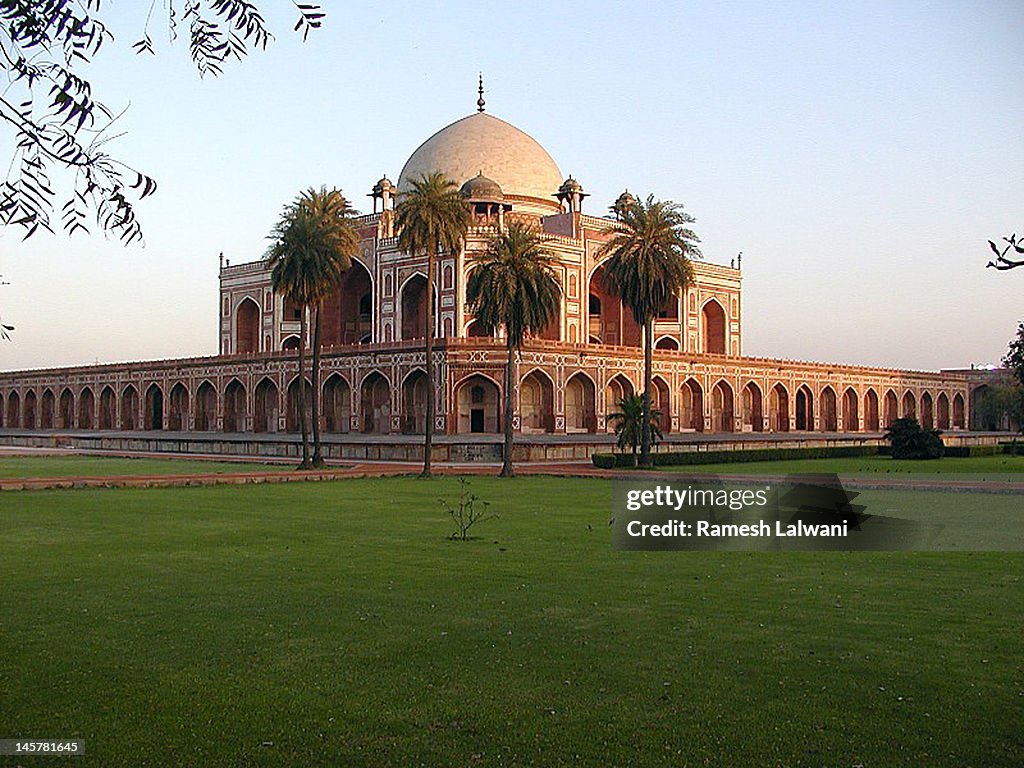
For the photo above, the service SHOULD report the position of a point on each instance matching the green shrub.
(605, 460)
(691, 458)
(909, 440)
(967, 451)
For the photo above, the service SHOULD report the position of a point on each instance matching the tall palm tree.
(311, 247)
(341, 242)
(513, 286)
(431, 216)
(648, 262)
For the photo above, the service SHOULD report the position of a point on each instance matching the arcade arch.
(129, 408)
(108, 408)
(580, 405)
(536, 403)
(336, 403)
(477, 401)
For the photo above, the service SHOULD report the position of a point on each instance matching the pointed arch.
(753, 408)
(909, 406)
(617, 388)
(804, 409)
(347, 315)
(691, 414)
(891, 410)
(235, 411)
(536, 402)
(722, 407)
(927, 412)
(177, 416)
(661, 400)
(668, 343)
(871, 422)
(291, 417)
(580, 403)
(29, 410)
(958, 411)
(266, 406)
(290, 343)
(67, 409)
(129, 408)
(13, 419)
(612, 323)
(108, 408)
(154, 410)
(829, 423)
(414, 402)
(47, 411)
(206, 407)
(713, 327)
(478, 404)
(336, 403)
(851, 410)
(413, 302)
(86, 407)
(942, 411)
(375, 403)
(477, 330)
(247, 326)
(778, 408)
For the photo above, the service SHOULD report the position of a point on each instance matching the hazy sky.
(859, 154)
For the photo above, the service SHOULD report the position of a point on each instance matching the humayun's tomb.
(567, 380)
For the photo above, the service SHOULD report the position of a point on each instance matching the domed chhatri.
(481, 189)
(482, 143)
(382, 186)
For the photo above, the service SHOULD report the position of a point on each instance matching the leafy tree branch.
(1002, 262)
(60, 126)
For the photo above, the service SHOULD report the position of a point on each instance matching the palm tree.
(648, 262)
(629, 423)
(311, 246)
(513, 286)
(432, 216)
(341, 243)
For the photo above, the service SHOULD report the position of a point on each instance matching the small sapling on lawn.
(469, 510)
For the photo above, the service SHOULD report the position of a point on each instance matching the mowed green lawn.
(110, 466)
(334, 624)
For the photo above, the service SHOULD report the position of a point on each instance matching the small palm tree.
(648, 263)
(513, 286)
(629, 421)
(432, 216)
(311, 246)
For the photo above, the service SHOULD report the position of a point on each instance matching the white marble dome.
(482, 143)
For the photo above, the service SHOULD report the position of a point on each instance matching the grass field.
(334, 624)
(91, 466)
(98, 466)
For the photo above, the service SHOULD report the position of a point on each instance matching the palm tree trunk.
(302, 389)
(314, 377)
(428, 436)
(645, 426)
(506, 459)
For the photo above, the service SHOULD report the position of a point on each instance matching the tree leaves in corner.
(58, 123)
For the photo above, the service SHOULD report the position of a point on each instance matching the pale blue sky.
(859, 154)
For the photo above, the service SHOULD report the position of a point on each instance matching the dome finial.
(480, 90)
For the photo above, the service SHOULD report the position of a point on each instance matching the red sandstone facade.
(567, 380)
